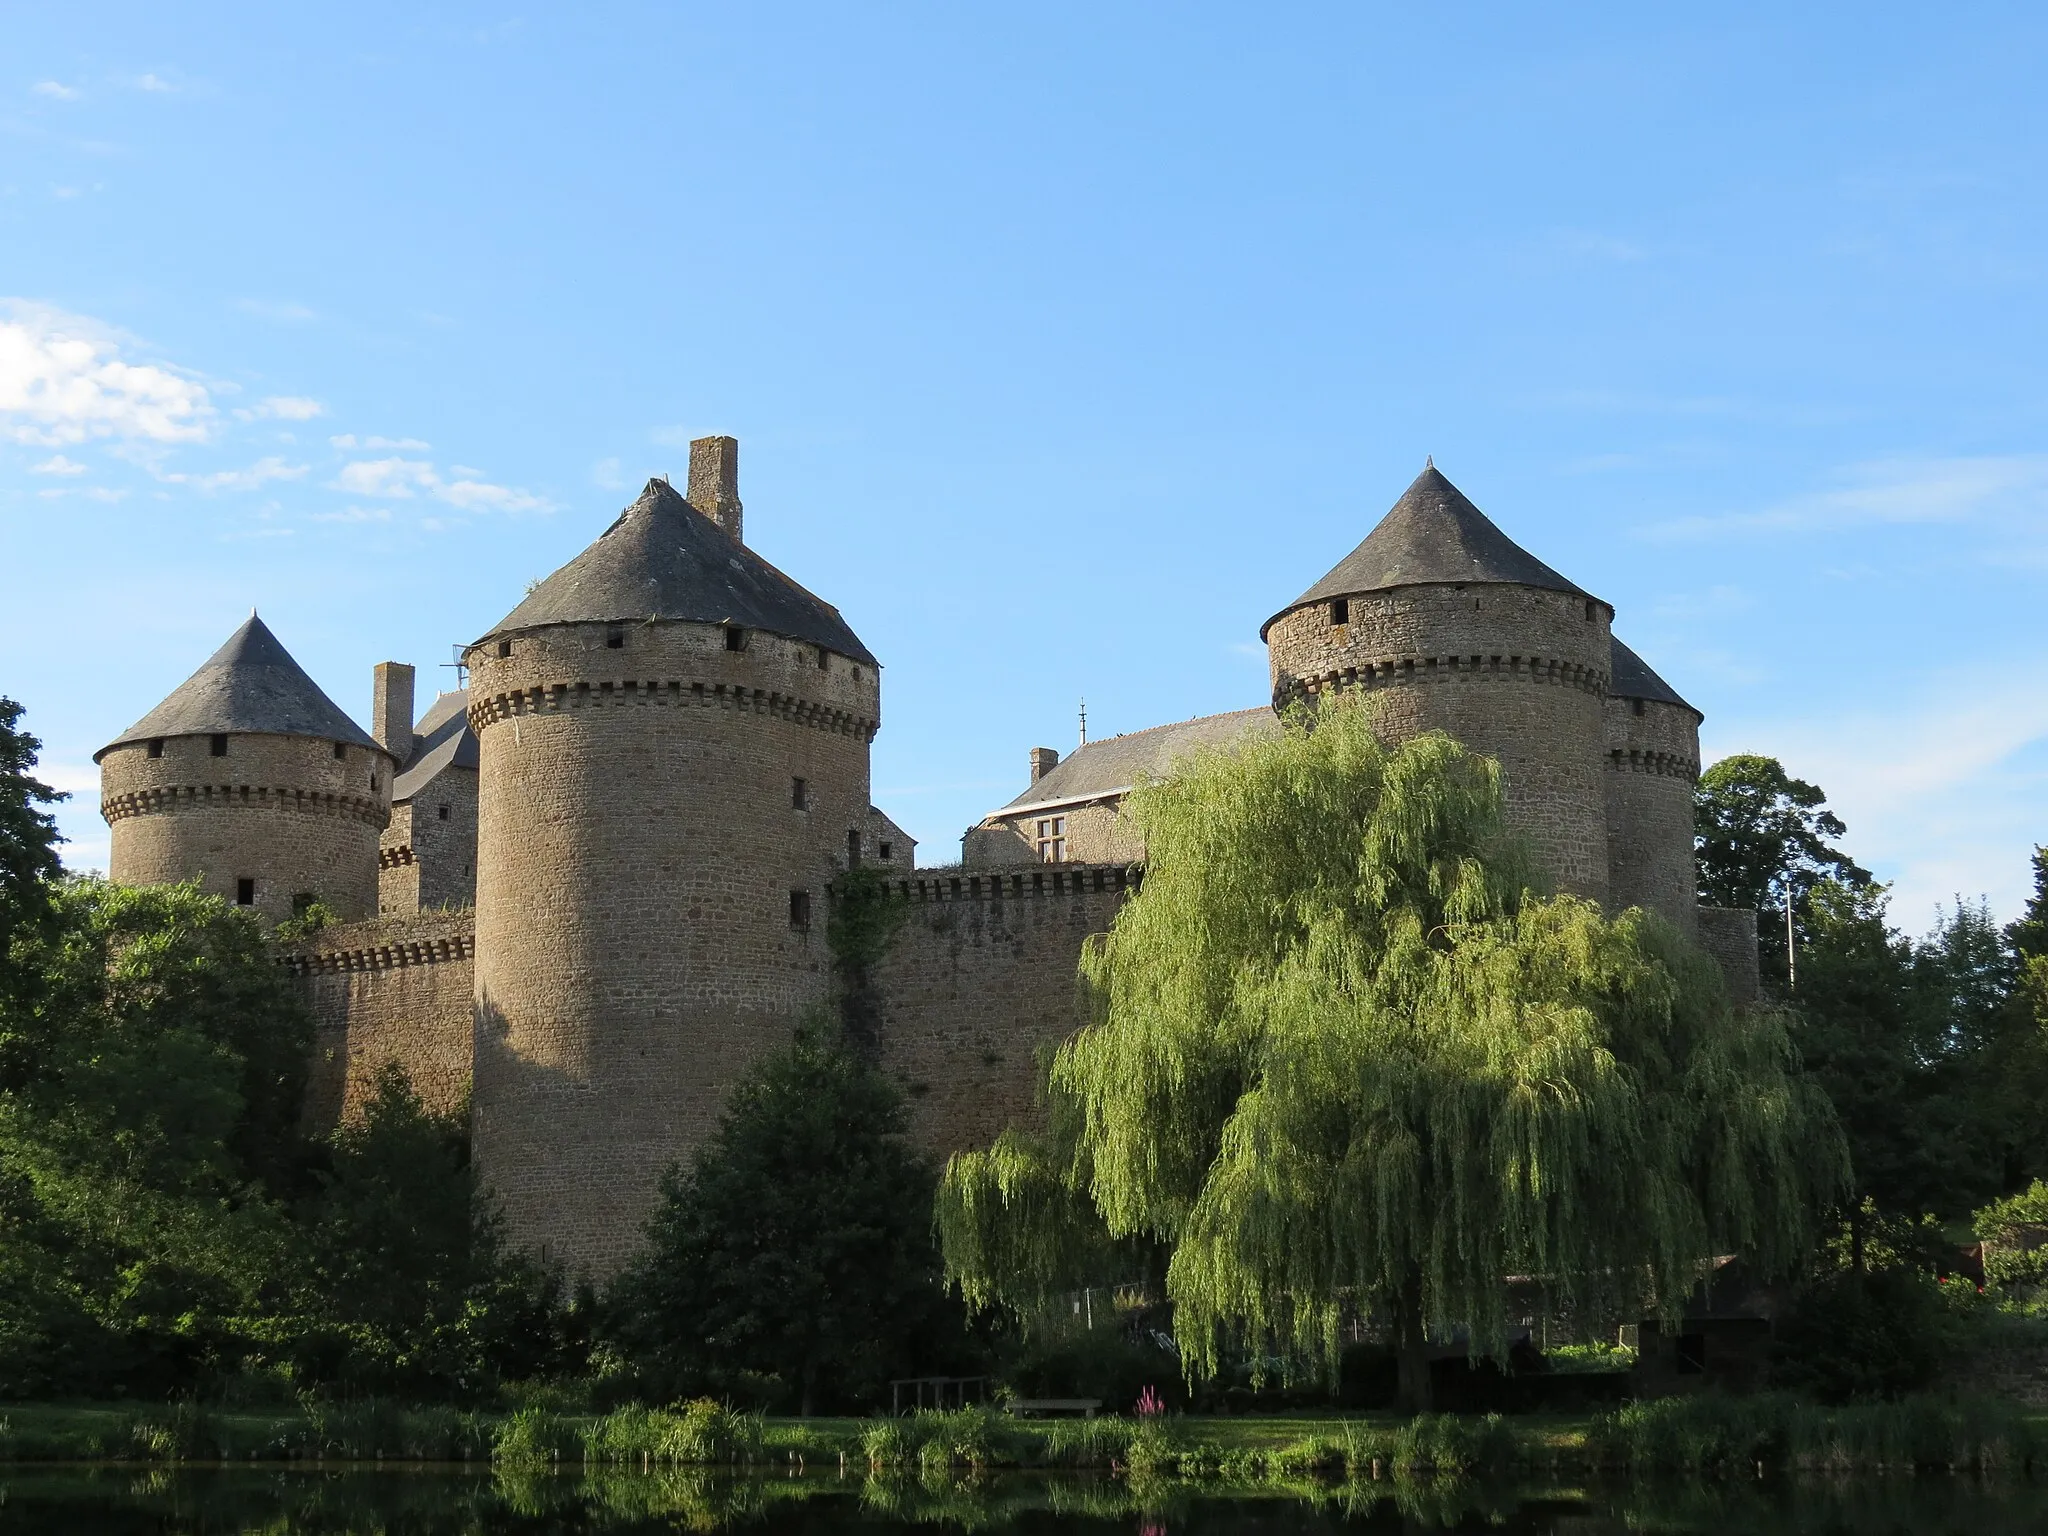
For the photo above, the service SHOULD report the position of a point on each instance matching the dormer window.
(1340, 610)
(735, 638)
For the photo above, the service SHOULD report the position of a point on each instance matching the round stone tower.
(253, 781)
(1653, 764)
(1449, 625)
(672, 764)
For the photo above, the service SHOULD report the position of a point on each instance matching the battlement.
(1019, 884)
(1407, 671)
(392, 858)
(555, 697)
(163, 798)
(428, 938)
(1675, 765)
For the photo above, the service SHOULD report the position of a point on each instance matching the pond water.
(452, 1502)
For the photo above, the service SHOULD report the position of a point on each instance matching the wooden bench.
(1026, 1407)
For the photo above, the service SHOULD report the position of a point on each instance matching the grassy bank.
(1697, 1435)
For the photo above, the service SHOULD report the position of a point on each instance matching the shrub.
(1862, 1335)
(534, 1435)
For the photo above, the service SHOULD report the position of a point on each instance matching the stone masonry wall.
(981, 977)
(1513, 672)
(398, 990)
(428, 854)
(1729, 935)
(1096, 833)
(638, 946)
(1653, 762)
(283, 811)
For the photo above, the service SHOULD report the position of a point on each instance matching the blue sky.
(1064, 347)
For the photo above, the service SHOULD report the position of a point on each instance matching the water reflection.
(451, 1502)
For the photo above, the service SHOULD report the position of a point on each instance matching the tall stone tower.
(1450, 625)
(1653, 765)
(672, 764)
(252, 780)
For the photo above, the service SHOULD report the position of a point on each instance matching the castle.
(584, 893)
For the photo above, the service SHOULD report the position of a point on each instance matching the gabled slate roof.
(251, 684)
(1118, 763)
(664, 559)
(1630, 677)
(1432, 536)
(445, 741)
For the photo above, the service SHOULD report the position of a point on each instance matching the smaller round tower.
(1653, 764)
(1448, 624)
(251, 780)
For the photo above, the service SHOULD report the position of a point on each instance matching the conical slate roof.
(663, 559)
(1630, 677)
(249, 684)
(1433, 535)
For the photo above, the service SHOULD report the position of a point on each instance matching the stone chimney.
(391, 709)
(1043, 761)
(715, 482)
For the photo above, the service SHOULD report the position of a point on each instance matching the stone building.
(582, 894)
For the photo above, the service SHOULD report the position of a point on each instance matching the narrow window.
(245, 892)
(735, 638)
(824, 659)
(1340, 610)
(1589, 610)
(220, 746)
(1636, 705)
(800, 910)
(1052, 839)
(373, 781)
(504, 648)
(156, 746)
(852, 849)
(615, 639)
(800, 794)
(340, 752)
(442, 812)
(885, 851)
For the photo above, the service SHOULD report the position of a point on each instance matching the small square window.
(156, 746)
(800, 910)
(504, 648)
(441, 812)
(735, 638)
(615, 639)
(340, 752)
(220, 746)
(800, 794)
(1636, 705)
(245, 892)
(1052, 840)
(885, 851)
(1340, 610)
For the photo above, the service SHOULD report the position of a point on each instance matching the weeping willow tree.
(1345, 1061)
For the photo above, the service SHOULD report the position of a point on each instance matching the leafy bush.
(1863, 1335)
(2015, 1234)
(534, 1435)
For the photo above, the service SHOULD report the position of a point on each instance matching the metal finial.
(1429, 461)
(1084, 721)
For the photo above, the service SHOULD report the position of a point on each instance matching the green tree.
(1345, 1062)
(797, 1244)
(28, 836)
(1760, 834)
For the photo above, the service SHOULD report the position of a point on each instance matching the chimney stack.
(715, 482)
(391, 709)
(1043, 761)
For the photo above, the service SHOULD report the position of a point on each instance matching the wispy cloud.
(57, 464)
(403, 479)
(54, 90)
(63, 380)
(282, 408)
(154, 83)
(354, 515)
(1892, 491)
(261, 473)
(282, 313)
(350, 441)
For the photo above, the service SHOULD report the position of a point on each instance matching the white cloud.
(89, 492)
(282, 408)
(63, 381)
(402, 479)
(1894, 491)
(270, 309)
(57, 464)
(259, 474)
(153, 83)
(54, 90)
(354, 515)
(402, 444)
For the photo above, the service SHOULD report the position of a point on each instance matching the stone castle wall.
(1729, 935)
(284, 811)
(1514, 672)
(639, 935)
(1653, 763)
(1096, 832)
(981, 978)
(399, 990)
(427, 858)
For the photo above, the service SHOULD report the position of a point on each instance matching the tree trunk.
(1412, 1349)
